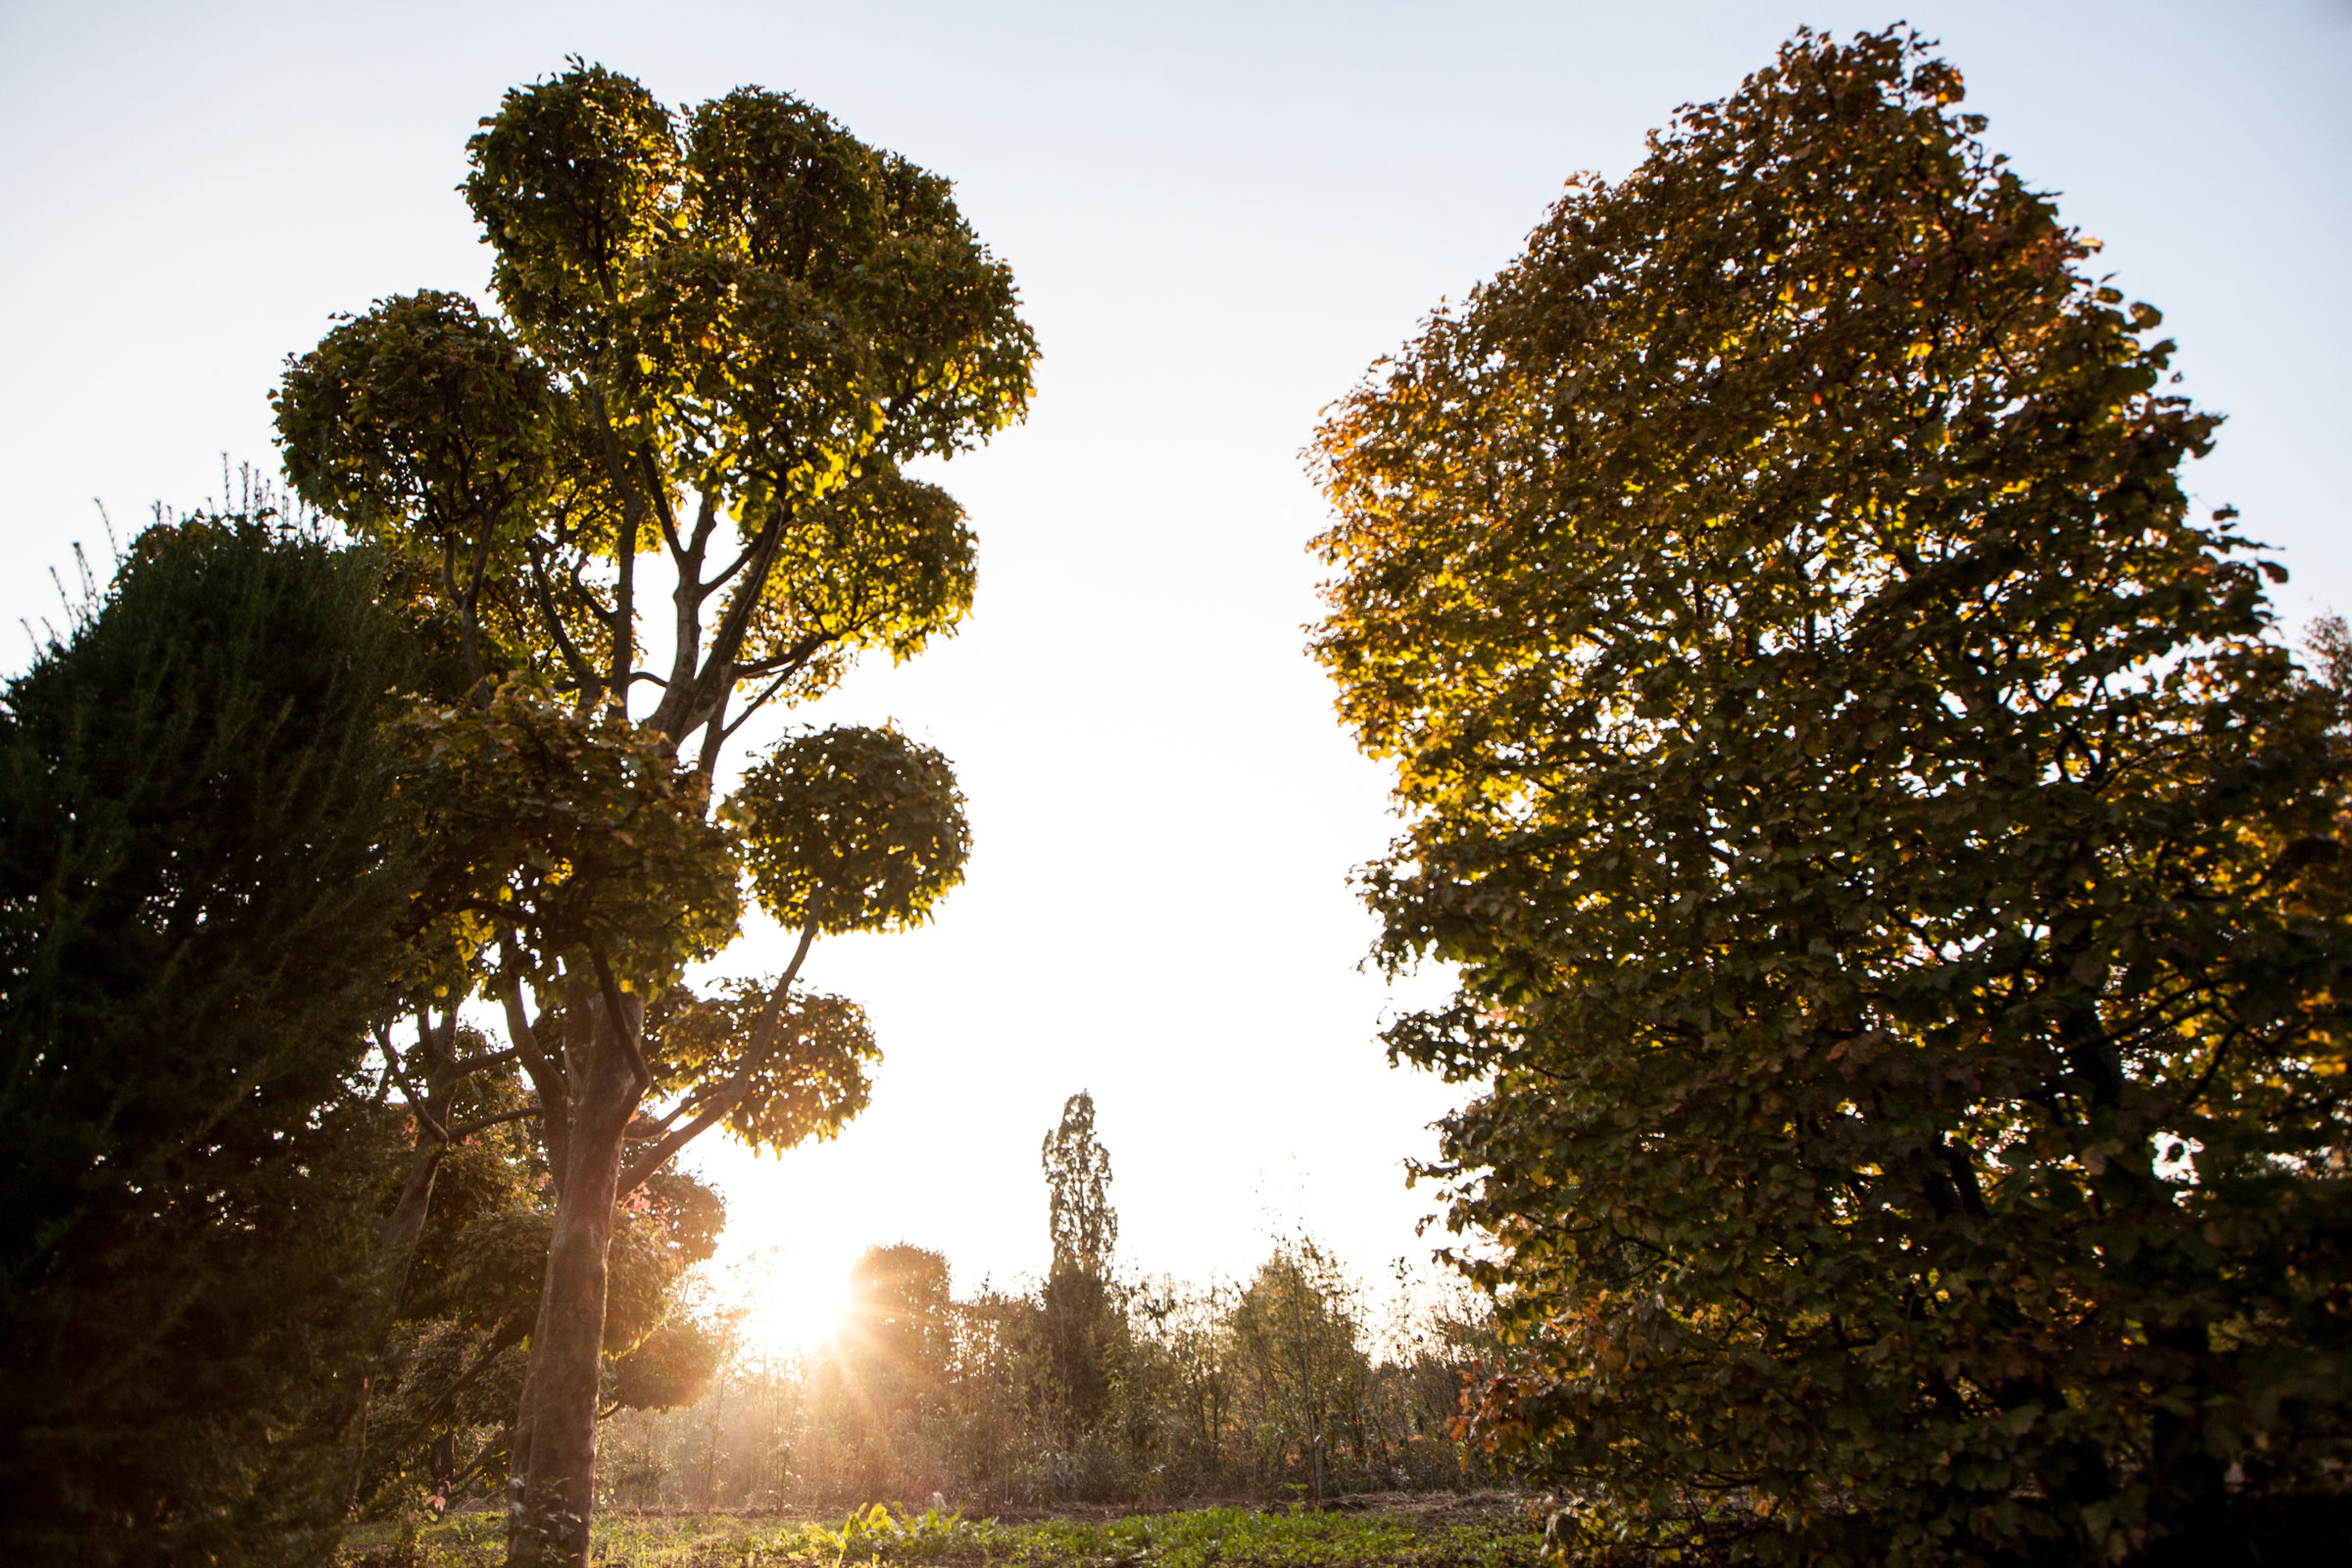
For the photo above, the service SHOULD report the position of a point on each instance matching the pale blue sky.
(1220, 214)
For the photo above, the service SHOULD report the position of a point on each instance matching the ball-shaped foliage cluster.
(807, 1078)
(566, 839)
(851, 829)
(571, 182)
(424, 416)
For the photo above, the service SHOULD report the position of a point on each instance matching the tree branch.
(555, 1109)
(764, 1047)
(467, 1129)
(705, 518)
(618, 1006)
(706, 589)
(682, 707)
(421, 1104)
(618, 468)
(474, 1064)
(664, 515)
(794, 668)
(552, 620)
(383, 1080)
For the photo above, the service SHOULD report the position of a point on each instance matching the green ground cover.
(1193, 1537)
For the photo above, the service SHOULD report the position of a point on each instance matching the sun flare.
(789, 1305)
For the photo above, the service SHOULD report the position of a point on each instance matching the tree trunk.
(552, 1490)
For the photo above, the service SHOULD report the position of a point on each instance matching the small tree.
(1084, 1227)
(1888, 857)
(1296, 1326)
(722, 335)
(893, 1359)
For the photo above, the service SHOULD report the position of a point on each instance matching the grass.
(1197, 1538)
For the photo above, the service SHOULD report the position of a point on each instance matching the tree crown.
(746, 316)
(1873, 822)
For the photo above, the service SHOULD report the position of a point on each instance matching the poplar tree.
(1078, 1312)
(1891, 859)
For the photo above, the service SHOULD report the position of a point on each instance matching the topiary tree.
(575, 855)
(720, 335)
(1890, 862)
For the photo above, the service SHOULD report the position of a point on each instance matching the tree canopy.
(1079, 1217)
(1889, 856)
(731, 325)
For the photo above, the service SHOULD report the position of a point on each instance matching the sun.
(787, 1300)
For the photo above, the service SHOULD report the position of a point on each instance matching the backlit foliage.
(735, 322)
(566, 836)
(851, 829)
(718, 336)
(1889, 856)
(809, 1085)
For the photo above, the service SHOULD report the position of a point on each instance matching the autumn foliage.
(1889, 852)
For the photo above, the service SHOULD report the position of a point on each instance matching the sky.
(1220, 216)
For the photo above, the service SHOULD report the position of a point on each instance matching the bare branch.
(421, 1104)
(664, 515)
(715, 584)
(474, 1064)
(552, 620)
(791, 660)
(706, 516)
(383, 1080)
(596, 610)
(771, 690)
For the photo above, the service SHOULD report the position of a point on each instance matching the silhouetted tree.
(1080, 1319)
(1296, 1327)
(205, 880)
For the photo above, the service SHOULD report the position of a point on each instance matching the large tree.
(205, 899)
(720, 336)
(1889, 858)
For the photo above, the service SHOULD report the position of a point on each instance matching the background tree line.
(1091, 1387)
